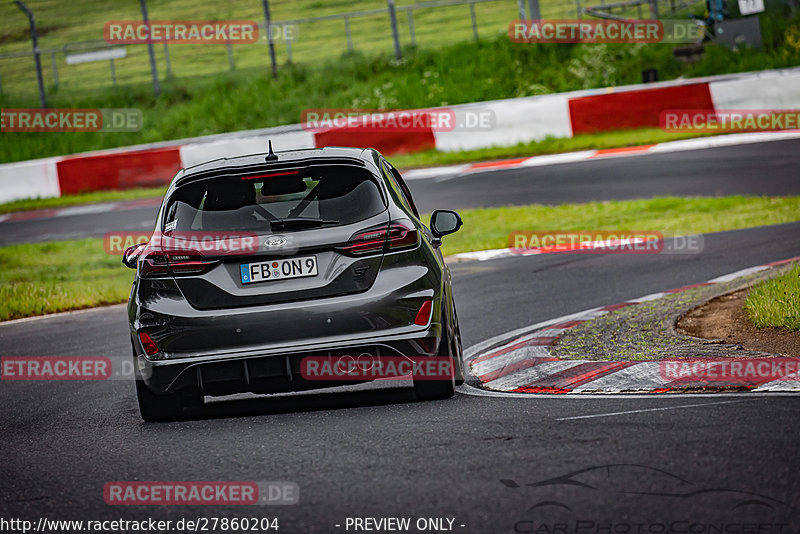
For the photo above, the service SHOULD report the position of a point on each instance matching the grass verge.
(44, 278)
(776, 302)
(550, 145)
(39, 278)
(84, 198)
(489, 228)
(454, 73)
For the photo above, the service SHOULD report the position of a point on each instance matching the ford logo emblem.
(275, 242)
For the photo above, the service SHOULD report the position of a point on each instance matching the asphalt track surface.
(768, 168)
(680, 464)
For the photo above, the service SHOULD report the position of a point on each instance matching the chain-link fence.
(638, 9)
(304, 31)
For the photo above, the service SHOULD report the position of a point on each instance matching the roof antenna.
(272, 156)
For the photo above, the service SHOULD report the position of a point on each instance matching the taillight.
(402, 236)
(385, 238)
(424, 314)
(153, 265)
(159, 264)
(150, 347)
(186, 264)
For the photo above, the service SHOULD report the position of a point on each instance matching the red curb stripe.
(535, 342)
(685, 288)
(513, 368)
(783, 262)
(580, 374)
(624, 150)
(28, 215)
(527, 389)
(498, 164)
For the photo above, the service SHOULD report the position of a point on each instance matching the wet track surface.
(754, 169)
(704, 460)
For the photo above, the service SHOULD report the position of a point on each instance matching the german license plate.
(267, 271)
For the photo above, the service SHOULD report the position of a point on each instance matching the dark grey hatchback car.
(260, 261)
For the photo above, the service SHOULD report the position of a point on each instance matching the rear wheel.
(438, 389)
(167, 407)
(458, 352)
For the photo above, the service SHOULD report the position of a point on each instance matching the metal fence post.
(288, 43)
(578, 9)
(55, 69)
(349, 36)
(521, 7)
(113, 72)
(270, 42)
(474, 21)
(395, 34)
(533, 10)
(166, 57)
(411, 27)
(231, 62)
(35, 39)
(1, 84)
(653, 9)
(150, 51)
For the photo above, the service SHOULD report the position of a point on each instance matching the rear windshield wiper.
(300, 222)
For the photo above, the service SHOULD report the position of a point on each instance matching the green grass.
(44, 278)
(84, 198)
(549, 145)
(67, 275)
(405, 161)
(449, 74)
(776, 302)
(84, 21)
(489, 228)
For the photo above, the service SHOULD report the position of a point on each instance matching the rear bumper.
(258, 348)
(274, 369)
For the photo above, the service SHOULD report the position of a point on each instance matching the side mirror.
(131, 254)
(444, 222)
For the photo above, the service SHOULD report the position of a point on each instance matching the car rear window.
(285, 201)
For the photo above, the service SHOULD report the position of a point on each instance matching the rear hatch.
(252, 238)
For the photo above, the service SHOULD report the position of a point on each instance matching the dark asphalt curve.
(495, 465)
(768, 168)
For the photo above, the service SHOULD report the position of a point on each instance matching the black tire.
(167, 407)
(438, 389)
(458, 352)
(158, 407)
